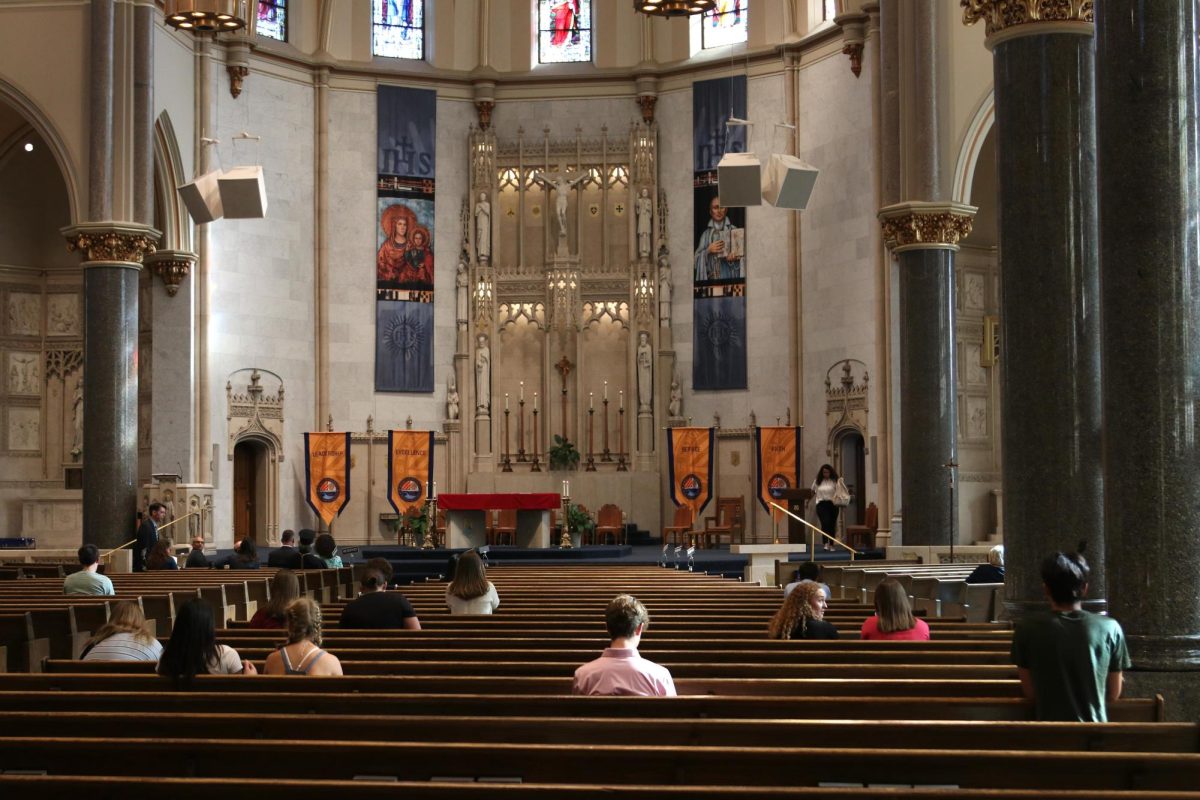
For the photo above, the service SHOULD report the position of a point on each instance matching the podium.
(794, 500)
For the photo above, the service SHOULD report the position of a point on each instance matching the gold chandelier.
(206, 16)
(673, 8)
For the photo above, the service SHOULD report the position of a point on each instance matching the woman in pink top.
(893, 616)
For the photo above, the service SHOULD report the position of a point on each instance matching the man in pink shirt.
(619, 669)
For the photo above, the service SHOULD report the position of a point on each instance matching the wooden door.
(245, 492)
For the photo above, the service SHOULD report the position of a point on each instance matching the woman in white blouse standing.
(471, 592)
(825, 488)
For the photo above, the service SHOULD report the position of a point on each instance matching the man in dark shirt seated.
(196, 557)
(991, 572)
(286, 556)
(309, 559)
(377, 608)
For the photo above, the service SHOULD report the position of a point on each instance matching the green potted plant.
(563, 454)
(578, 520)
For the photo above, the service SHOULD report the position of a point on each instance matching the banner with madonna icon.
(410, 469)
(404, 262)
(778, 464)
(690, 462)
(327, 473)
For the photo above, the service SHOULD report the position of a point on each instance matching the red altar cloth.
(534, 501)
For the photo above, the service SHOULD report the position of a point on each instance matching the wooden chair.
(680, 530)
(407, 537)
(862, 537)
(507, 526)
(439, 530)
(727, 522)
(608, 523)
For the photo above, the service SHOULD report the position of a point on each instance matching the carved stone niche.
(189, 507)
(254, 417)
(846, 406)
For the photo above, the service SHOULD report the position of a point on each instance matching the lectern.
(794, 500)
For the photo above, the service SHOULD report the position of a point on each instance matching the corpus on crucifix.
(562, 182)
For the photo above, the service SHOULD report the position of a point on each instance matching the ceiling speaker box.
(203, 197)
(788, 182)
(243, 193)
(739, 177)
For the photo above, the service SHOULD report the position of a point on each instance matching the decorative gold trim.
(237, 76)
(989, 352)
(909, 225)
(1001, 16)
(112, 242)
(173, 266)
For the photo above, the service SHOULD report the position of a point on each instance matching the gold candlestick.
(536, 445)
(605, 456)
(506, 462)
(591, 459)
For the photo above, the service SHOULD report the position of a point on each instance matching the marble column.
(1049, 294)
(1147, 63)
(924, 237)
(112, 256)
(172, 344)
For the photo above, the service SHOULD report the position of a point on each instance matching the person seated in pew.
(992, 571)
(285, 588)
(302, 655)
(801, 615)
(125, 637)
(326, 549)
(193, 650)
(88, 580)
(196, 557)
(384, 566)
(309, 559)
(244, 556)
(378, 609)
(1071, 662)
(893, 616)
(286, 556)
(809, 572)
(470, 592)
(620, 670)
(160, 556)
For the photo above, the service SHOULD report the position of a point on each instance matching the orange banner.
(327, 470)
(410, 469)
(778, 465)
(690, 454)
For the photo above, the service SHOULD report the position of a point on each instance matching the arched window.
(564, 31)
(271, 21)
(398, 28)
(726, 24)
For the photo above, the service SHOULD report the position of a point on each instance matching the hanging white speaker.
(202, 197)
(788, 182)
(738, 180)
(244, 193)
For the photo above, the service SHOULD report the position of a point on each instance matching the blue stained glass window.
(398, 28)
(272, 19)
(564, 31)
(728, 23)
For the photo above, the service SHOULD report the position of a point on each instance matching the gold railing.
(813, 530)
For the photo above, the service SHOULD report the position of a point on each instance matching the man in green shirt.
(88, 580)
(1070, 661)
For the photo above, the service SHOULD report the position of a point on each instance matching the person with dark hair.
(1071, 662)
(285, 588)
(377, 608)
(147, 535)
(824, 489)
(125, 637)
(620, 670)
(196, 557)
(309, 559)
(470, 592)
(286, 556)
(384, 566)
(88, 580)
(893, 616)
(302, 655)
(992, 571)
(244, 556)
(193, 650)
(809, 572)
(326, 549)
(802, 615)
(160, 556)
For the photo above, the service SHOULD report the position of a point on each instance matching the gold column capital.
(923, 225)
(112, 242)
(1010, 19)
(173, 266)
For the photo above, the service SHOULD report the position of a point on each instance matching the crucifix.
(564, 369)
(562, 182)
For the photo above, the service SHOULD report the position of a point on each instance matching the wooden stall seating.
(506, 528)
(609, 522)
(439, 529)
(862, 537)
(679, 532)
(728, 522)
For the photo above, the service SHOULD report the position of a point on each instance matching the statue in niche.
(645, 372)
(675, 407)
(483, 228)
(483, 376)
(77, 420)
(562, 182)
(664, 287)
(460, 290)
(451, 397)
(645, 215)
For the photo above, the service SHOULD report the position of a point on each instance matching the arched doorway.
(250, 490)
(851, 465)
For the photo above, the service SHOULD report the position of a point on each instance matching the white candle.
(591, 400)
(621, 398)
(506, 401)
(606, 390)
(564, 489)
(433, 491)
(522, 390)
(568, 484)
(535, 401)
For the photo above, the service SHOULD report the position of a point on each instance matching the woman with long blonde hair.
(893, 615)
(302, 655)
(285, 588)
(127, 636)
(802, 615)
(471, 592)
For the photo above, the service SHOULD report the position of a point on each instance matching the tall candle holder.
(521, 430)
(605, 456)
(621, 440)
(506, 462)
(564, 541)
(537, 467)
(591, 459)
(431, 510)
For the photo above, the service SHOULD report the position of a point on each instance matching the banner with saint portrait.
(690, 466)
(410, 469)
(327, 473)
(719, 240)
(404, 227)
(778, 463)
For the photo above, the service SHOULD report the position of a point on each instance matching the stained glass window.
(564, 31)
(272, 19)
(725, 24)
(398, 29)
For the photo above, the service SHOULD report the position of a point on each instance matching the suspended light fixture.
(673, 8)
(206, 16)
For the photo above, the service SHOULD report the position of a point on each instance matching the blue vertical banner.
(719, 233)
(406, 137)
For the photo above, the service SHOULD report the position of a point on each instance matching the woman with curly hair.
(470, 592)
(125, 637)
(801, 616)
(302, 655)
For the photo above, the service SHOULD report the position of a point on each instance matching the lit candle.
(506, 401)
(591, 400)
(621, 398)
(568, 485)
(606, 390)
(535, 401)
(564, 489)
(522, 390)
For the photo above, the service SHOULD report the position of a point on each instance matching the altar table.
(466, 517)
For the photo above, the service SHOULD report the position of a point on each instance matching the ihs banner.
(410, 469)
(690, 460)
(327, 473)
(778, 464)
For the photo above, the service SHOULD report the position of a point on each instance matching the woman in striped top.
(125, 637)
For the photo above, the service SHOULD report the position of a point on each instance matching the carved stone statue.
(561, 181)
(483, 375)
(675, 407)
(77, 421)
(645, 372)
(461, 290)
(664, 287)
(645, 216)
(483, 228)
(451, 397)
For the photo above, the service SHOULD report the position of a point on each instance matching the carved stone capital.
(854, 35)
(484, 109)
(237, 76)
(914, 225)
(1009, 19)
(111, 242)
(647, 102)
(172, 266)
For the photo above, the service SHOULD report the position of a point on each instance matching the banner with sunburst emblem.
(327, 473)
(719, 259)
(404, 265)
(690, 463)
(778, 464)
(410, 469)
